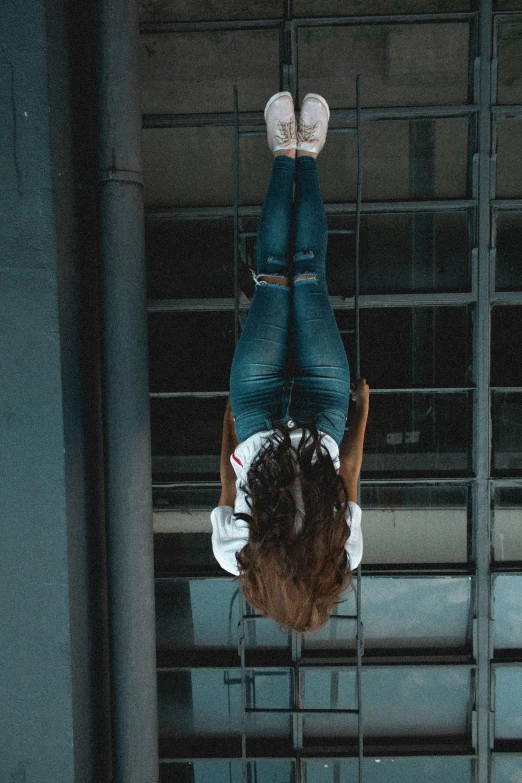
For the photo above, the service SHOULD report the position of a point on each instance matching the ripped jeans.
(290, 361)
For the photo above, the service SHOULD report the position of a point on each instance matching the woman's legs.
(322, 380)
(256, 377)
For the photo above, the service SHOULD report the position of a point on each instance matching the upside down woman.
(288, 524)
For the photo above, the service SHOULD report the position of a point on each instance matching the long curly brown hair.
(294, 577)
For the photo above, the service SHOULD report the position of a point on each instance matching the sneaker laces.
(306, 132)
(286, 132)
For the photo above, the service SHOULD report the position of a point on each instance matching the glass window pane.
(506, 354)
(179, 73)
(335, 634)
(182, 169)
(402, 613)
(507, 768)
(418, 434)
(509, 160)
(408, 434)
(418, 347)
(403, 336)
(185, 521)
(398, 613)
(226, 771)
(416, 612)
(415, 524)
(508, 264)
(210, 10)
(507, 523)
(406, 253)
(402, 160)
(445, 688)
(507, 433)
(415, 434)
(190, 259)
(376, 770)
(409, 689)
(317, 691)
(427, 770)
(402, 65)
(268, 772)
(185, 499)
(366, 7)
(331, 771)
(509, 55)
(205, 613)
(415, 159)
(508, 611)
(190, 352)
(179, 171)
(186, 437)
(508, 702)
(329, 689)
(398, 254)
(174, 613)
(391, 770)
(184, 707)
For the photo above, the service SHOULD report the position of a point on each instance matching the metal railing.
(297, 711)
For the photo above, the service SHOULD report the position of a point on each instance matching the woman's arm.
(228, 444)
(351, 446)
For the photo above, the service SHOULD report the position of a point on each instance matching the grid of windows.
(441, 297)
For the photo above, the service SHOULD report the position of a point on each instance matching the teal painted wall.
(54, 723)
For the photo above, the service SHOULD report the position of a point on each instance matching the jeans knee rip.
(276, 267)
(302, 255)
(258, 281)
(307, 256)
(305, 277)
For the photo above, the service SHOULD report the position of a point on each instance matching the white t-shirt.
(229, 535)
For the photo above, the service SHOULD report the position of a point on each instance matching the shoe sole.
(274, 97)
(319, 98)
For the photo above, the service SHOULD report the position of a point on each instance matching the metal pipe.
(241, 650)
(337, 117)
(401, 570)
(368, 208)
(462, 482)
(444, 749)
(236, 216)
(359, 637)
(358, 226)
(215, 395)
(126, 397)
(147, 28)
(338, 303)
(482, 421)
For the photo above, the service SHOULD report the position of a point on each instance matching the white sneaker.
(280, 122)
(313, 123)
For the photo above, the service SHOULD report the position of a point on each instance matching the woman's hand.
(231, 426)
(360, 392)
(351, 446)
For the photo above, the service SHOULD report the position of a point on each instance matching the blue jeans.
(293, 323)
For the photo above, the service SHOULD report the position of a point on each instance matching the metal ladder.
(297, 711)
